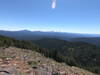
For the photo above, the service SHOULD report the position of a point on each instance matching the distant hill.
(37, 35)
(56, 43)
(92, 40)
(50, 43)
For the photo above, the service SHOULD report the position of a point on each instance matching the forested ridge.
(79, 54)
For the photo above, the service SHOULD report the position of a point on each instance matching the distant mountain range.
(81, 50)
(37, 35)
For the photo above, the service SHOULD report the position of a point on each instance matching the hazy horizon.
(75, 16)
(50, 31)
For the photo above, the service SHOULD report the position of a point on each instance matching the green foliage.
(32, 63)
(78, 54)
(6, 42)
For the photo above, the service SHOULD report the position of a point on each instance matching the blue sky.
(78, 16)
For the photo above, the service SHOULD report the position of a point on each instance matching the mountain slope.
(16, 61)
(56, 43)
(92, 40)
(78, 54)
(50, 43)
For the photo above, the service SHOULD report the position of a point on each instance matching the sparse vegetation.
(36, 64)
(32, 63)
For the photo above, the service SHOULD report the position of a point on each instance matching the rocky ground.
(15, 61)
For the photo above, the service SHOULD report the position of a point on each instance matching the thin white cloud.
(53, 4)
